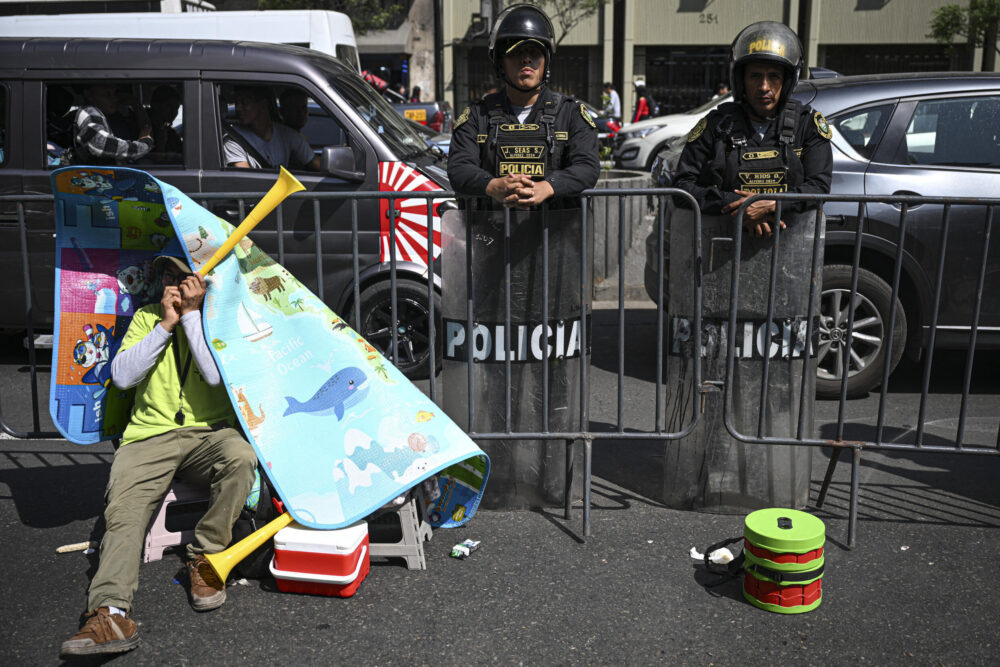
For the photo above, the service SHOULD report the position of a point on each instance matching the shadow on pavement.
(52, 488)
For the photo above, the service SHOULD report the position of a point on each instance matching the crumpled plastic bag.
(719, 556)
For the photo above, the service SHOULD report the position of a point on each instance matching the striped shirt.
(93, 139)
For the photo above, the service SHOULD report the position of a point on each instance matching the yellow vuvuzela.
(224, 561)
(284, 186)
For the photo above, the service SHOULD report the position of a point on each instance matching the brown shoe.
(103, 632)
(207, 590)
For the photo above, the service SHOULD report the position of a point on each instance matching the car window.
(956, 132)
(266, 125)
(380, 116)
(322, 129)
(102, 122)
(863, 129)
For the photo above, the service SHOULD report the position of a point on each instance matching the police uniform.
(725, 152)
(557, 142)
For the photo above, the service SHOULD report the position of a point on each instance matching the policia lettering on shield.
(761, 142)
(527, 143)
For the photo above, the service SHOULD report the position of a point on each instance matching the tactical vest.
(534, 149)
(762, 169)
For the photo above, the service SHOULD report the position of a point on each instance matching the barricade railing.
(958, 445)
(582, 434)
(622, 429)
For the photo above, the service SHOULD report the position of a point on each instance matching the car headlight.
(639, 134)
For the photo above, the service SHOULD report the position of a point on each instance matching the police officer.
(761, 142)
(525, 144)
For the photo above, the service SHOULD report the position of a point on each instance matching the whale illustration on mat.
(344, 389)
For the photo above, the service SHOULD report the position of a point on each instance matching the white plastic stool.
(415, 531)
(158, 537)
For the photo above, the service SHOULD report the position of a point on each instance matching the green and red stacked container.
(784, 560)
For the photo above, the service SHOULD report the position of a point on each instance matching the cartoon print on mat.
(94, 353)
(367, 457)
(344, 389)
(252, 420)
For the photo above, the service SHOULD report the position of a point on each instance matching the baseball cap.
(162, 261)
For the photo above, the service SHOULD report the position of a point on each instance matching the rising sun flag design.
(411, 214)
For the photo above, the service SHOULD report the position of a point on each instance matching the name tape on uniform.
(522, 152)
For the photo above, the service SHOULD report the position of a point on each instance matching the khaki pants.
(140, 475)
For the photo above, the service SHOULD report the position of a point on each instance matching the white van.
(329, 32)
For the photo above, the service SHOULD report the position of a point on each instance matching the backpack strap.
(495, 114)
(789, 121)
(787, 125)
(547, 114)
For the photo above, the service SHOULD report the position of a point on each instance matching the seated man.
(93, 140)
(261, 142)
(181, 425)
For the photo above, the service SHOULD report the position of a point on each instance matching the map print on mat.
(339, 430)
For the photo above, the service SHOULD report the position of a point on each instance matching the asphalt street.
(918, 588)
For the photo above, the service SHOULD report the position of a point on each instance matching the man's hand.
(171, 303)
(192, 291)
(533, 193)
(758, 216)
(505, 188)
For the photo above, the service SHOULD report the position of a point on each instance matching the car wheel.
(412, 324)
(868, 341)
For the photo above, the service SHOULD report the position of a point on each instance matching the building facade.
(680, 48)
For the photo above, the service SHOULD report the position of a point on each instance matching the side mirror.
(339, 161)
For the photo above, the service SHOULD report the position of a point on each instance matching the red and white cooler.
(321, 562)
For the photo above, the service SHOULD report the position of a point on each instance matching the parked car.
(900, 134)
(636, 144)
(363, 143)
(439, 140)
(435, 115)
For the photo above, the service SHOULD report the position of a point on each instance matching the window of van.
(105, 122)
(264, 126)
(380, 116)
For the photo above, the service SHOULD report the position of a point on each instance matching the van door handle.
(906, 193)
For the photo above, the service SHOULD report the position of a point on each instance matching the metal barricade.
(621, 428)
(879, 442)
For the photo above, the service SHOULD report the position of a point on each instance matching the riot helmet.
(516, 24)
(765, 42)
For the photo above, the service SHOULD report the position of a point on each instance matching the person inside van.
(129, 116)
(93, 140)
(258, 141)
(293, 105)
(163, 108)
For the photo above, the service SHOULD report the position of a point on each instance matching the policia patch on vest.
(461, 119)
(586, 116)
(521, 149)
(822, 126)
(697, 130)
